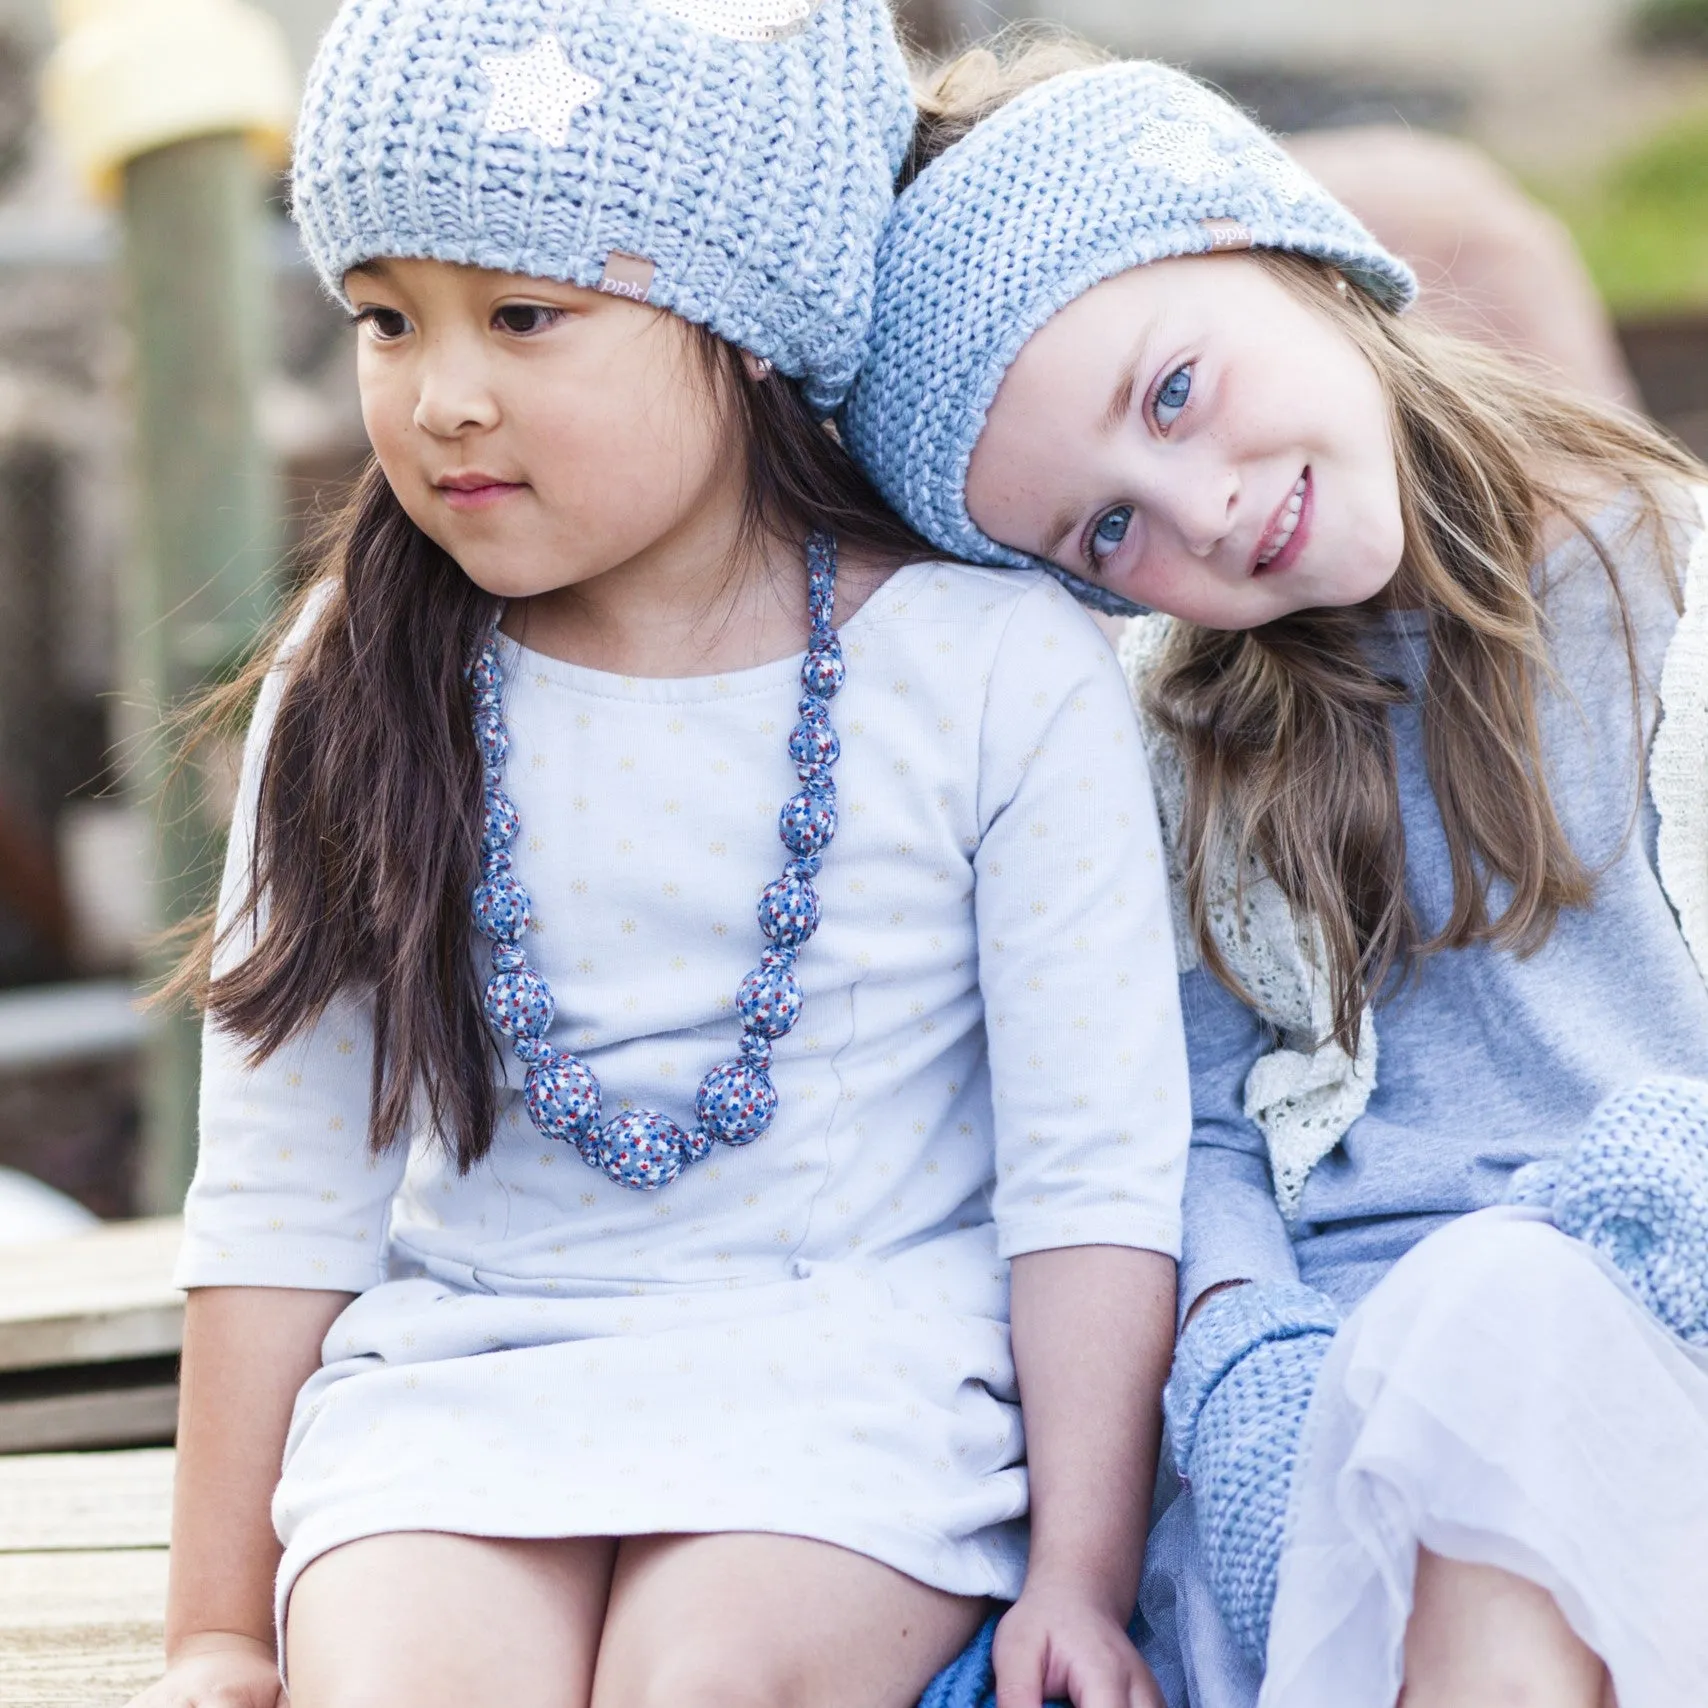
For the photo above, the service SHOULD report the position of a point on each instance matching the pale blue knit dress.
(807, 1335)
(1498, 1395)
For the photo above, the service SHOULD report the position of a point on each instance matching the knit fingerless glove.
(1243, 1376)
(1635, 1188)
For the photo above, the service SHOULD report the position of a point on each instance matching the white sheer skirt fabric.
(1499, 1398)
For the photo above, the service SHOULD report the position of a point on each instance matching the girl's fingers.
(1019, 1668)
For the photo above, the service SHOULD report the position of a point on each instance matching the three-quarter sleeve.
(285, 1193)
(1076, 956)
(1233, 1229)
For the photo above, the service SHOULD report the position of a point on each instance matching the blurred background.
(1565, 211)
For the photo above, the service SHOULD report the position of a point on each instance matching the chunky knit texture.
(746, 149)
(1635, 1188)
(1083, 177)
(1243, 1376)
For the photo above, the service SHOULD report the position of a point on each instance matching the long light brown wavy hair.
(1284, 729)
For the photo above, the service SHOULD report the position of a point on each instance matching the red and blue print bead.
(769, 1000)
(491, 737)
(823, 671)
(644, 1150)
(736, 1103)
(562, 1095)
(500, 823)
(519, 1004)
(808, 821)
(486, 681)
(500, 906)
(788, 911)
(813, 741)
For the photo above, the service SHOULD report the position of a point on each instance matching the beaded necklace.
(736, 1101)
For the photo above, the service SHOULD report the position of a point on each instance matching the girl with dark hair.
(1426, 698)
(681, 953)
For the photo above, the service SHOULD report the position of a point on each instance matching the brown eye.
(383, 323)
(523, 318)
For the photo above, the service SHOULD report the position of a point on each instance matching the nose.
(453, 394)
(1199, 500)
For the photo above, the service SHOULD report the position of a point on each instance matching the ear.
(758, 367)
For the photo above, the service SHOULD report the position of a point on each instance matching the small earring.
(759, 367)
(1340, 283)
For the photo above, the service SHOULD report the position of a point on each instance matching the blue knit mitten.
(1243, 1376)
(1635, 1188)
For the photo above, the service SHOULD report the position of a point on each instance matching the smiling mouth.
(1285, 525)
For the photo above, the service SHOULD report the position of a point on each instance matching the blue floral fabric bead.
(769, 1000)
(808, 821)
(644, 1150)
(486, 679)
(736, 1102)
(500, 907)
(824, 671)
(562, 1095)
(814, 742)
(520, 1004)
(500, 823)
(788, 911)
(492, 738)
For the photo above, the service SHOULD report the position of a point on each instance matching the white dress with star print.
(807, 1335)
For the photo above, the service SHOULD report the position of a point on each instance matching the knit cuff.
(1229, 1326)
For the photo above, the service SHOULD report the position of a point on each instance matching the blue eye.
(1110, 531)
(1171, 397)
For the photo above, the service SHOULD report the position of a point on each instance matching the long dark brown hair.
(367, 829)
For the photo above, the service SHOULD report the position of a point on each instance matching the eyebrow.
(1121, 399)
(374, 269)
(1120, 405)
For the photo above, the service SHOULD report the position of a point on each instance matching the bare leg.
(770, 1622)
(1493, 264)
(1482, 1638)
(424, 1620)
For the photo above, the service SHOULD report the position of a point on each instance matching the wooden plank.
(93, 1297)
(80, 1630)
(106, 1417)
(53, 1502)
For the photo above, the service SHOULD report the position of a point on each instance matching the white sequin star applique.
(1200, 151)
(743, 20)
(537, 91)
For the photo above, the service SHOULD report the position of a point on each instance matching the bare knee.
(689, 1673)
(1480, 1637)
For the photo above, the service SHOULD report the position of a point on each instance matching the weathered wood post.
(172, 109)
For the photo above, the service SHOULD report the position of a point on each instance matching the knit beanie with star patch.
(1082, 177)
(729, 160)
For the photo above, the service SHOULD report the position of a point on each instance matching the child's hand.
(1053, 1644)
(218, 1669)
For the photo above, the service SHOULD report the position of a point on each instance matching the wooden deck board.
(91, 1298)
(80, 1630)
(78, 1502)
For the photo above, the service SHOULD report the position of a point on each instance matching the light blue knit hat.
(1082, 177)
(730, 160)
